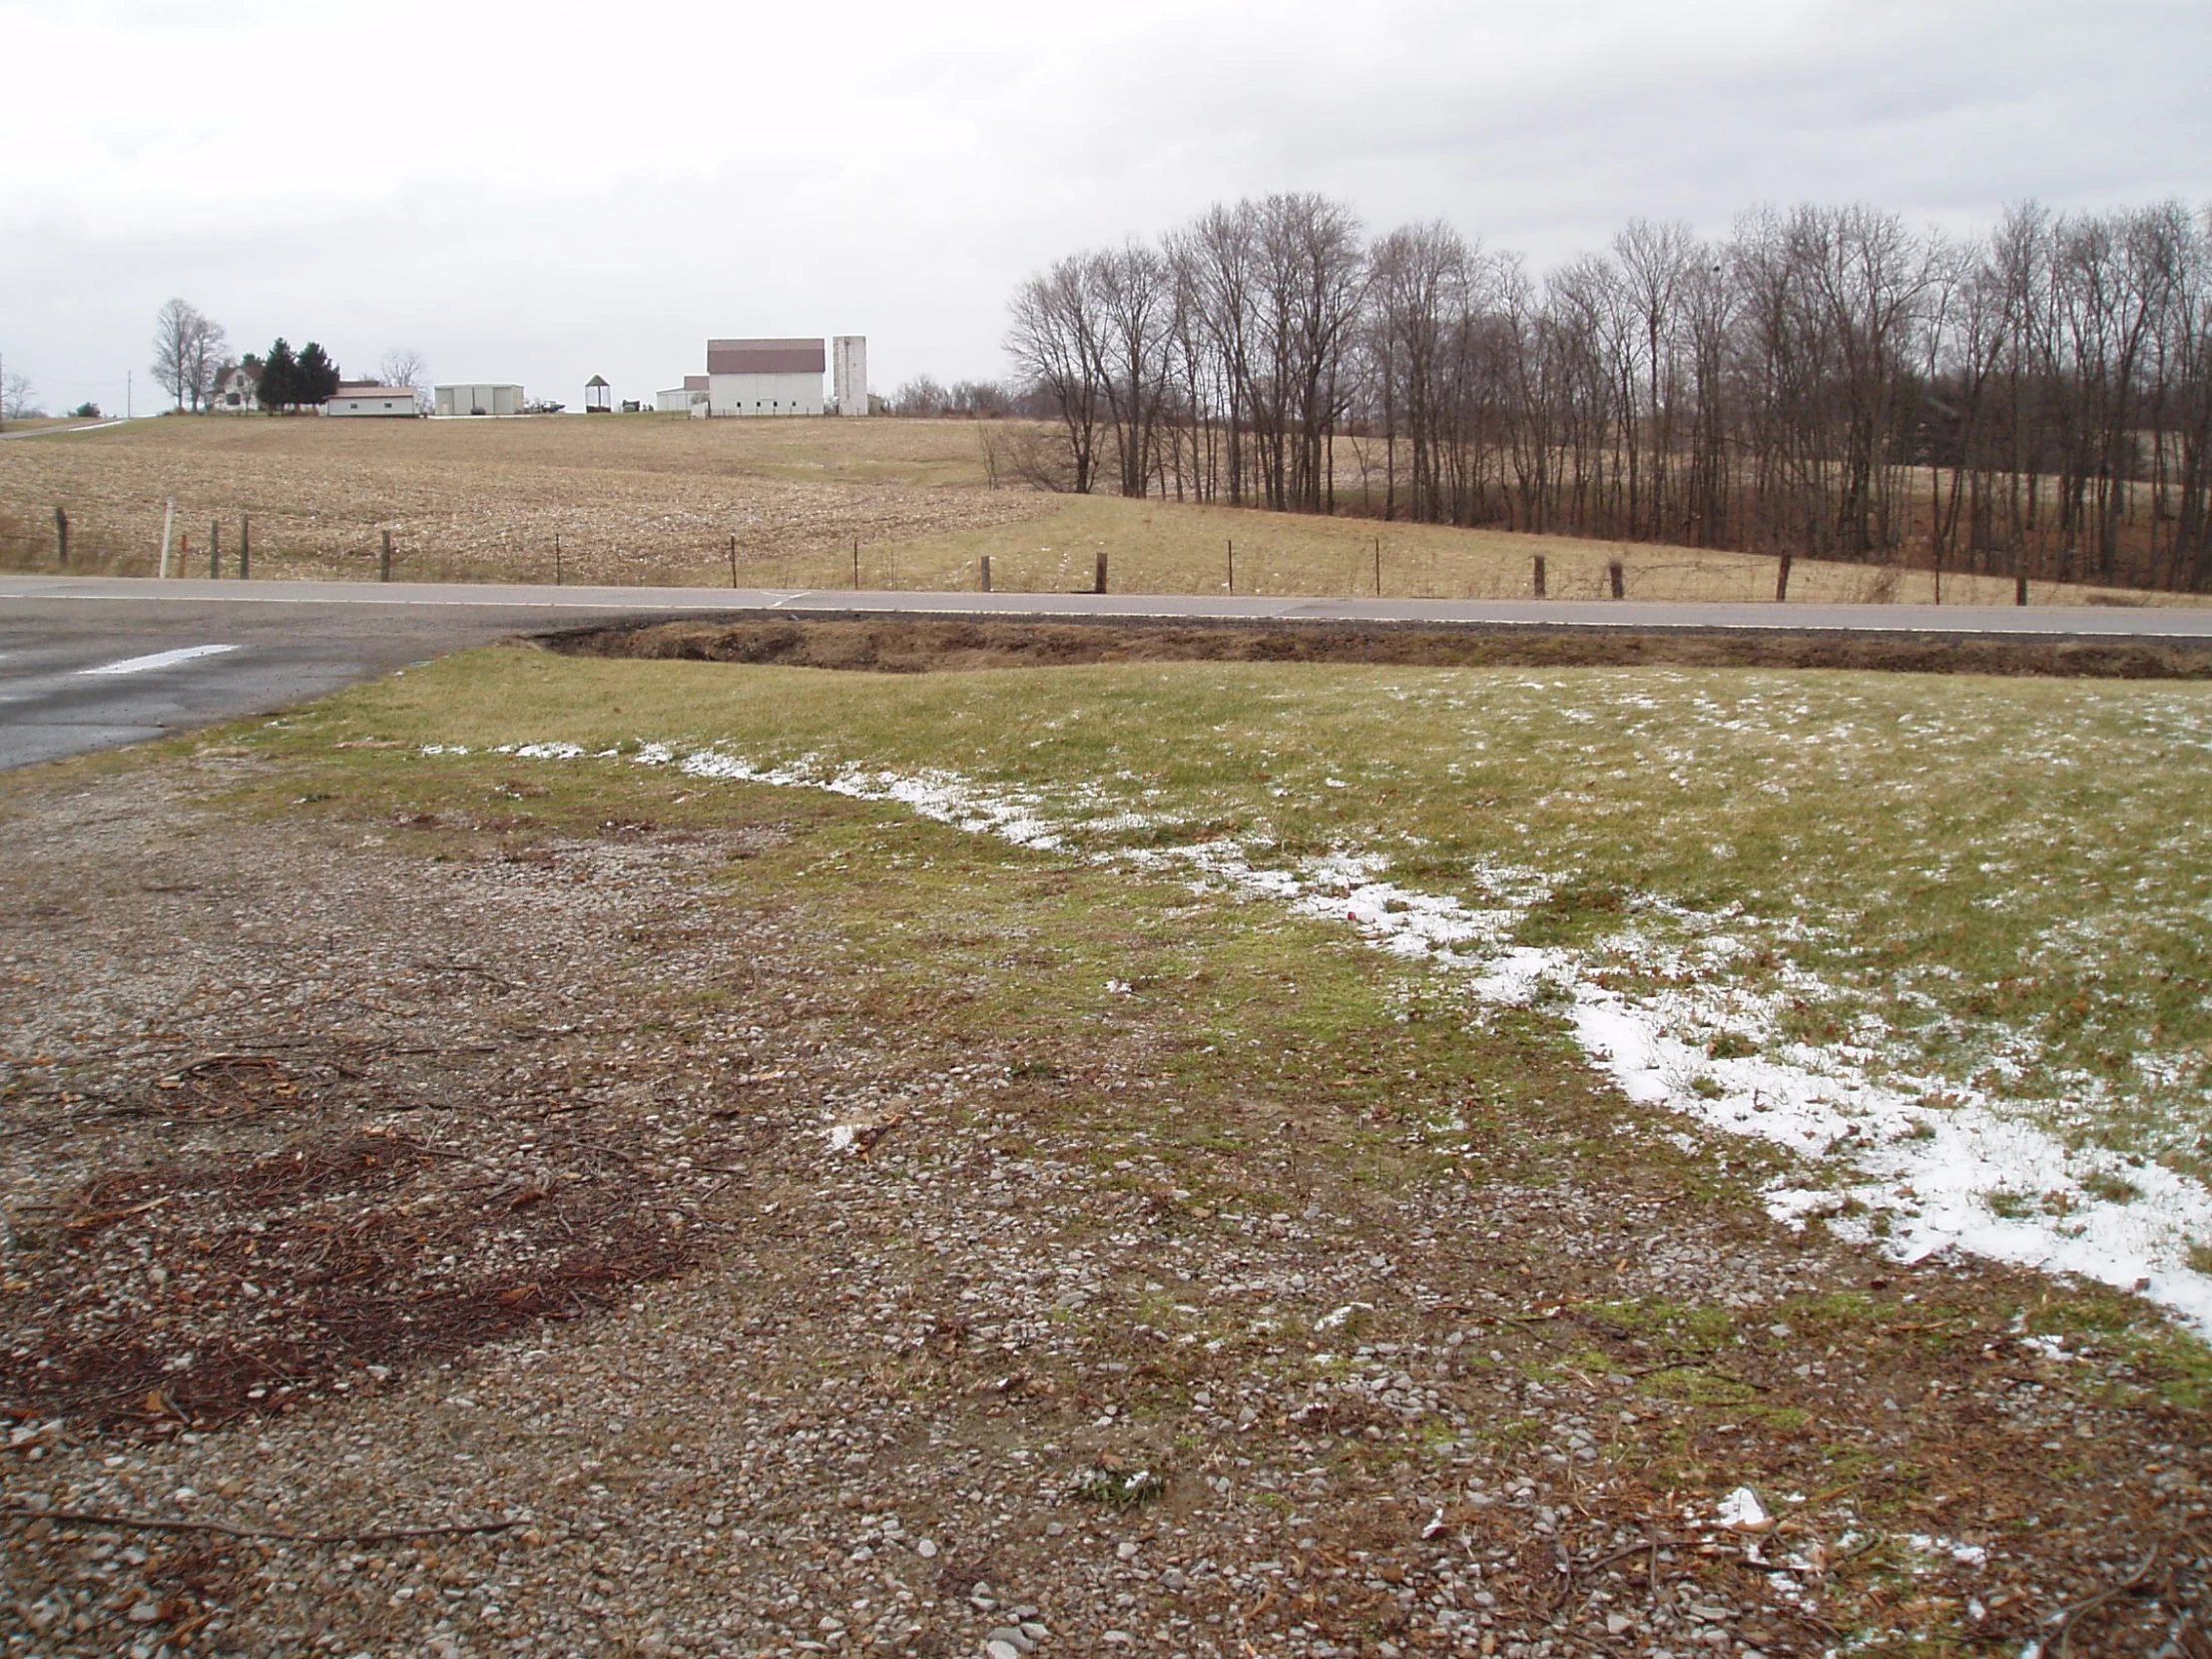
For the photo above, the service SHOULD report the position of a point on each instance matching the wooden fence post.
(556, 558)
(61, 537)
(855, 565)
(732, 561)
(1618, 576)
(1232, 564)
(1539, 575)
(1782, 580)
(2020, 590)
(383, 565)
(1099, 586)
(215, 550)
(986, 572)
(1379, 567)
(245, 547)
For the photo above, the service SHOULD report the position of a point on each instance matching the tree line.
(2035, 400)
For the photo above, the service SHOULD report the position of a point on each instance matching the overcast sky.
(541, 191)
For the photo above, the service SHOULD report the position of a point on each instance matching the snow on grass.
(1911, 1165)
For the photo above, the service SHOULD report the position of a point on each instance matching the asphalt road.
(95, 662)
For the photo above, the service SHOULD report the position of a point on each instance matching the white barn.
(765, 377)
(369, 399)
(486, 399)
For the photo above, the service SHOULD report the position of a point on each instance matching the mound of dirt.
(886, 645)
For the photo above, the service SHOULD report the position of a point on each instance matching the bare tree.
(1134, 296)
(1058, 341)
(174, 326)
(188, 352)
(16, 395)
(403, 365)
(203, 359)
(922, 396)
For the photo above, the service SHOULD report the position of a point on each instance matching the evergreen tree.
(279, 377)
(316, 379)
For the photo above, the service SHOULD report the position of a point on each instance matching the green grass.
(1997, 885)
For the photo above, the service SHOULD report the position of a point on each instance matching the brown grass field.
(647, 500)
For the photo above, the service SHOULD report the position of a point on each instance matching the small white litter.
(1740, 1512)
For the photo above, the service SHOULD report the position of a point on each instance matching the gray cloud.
(551, 190)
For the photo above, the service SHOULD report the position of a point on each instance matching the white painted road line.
(160, 659)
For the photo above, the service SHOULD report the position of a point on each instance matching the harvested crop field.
(632, 499)
(890, 505)
(1022, 1238)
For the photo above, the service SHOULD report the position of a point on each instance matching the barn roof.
(764, 357)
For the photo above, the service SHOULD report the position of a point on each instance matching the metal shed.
(493, 398)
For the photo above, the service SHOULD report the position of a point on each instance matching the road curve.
(93, 661)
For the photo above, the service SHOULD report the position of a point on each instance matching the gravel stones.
(854, 1420)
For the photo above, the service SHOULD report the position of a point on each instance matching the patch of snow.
(543, 751)
(1882, 1162)
(1966, 1556)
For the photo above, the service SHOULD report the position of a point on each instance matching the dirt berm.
(909, 646)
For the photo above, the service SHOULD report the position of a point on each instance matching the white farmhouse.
(237, 389)
(359, 397)
(497, 398)
(765, 376)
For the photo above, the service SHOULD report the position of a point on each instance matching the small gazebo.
(598, 397)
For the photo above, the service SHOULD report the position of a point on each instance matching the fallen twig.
(141, 1523)
(2072, 1616)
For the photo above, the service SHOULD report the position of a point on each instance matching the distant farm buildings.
(360, 397)
(679, 399)
(764, 378)
(488, 399)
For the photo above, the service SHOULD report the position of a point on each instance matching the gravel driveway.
(575, 1199)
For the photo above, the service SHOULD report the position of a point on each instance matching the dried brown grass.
(632, 499)
(808, 503)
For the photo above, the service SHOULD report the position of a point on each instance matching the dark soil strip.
(284, 1276)
(906, 645)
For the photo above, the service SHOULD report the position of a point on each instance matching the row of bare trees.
(1824, 381)
(188, 352)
